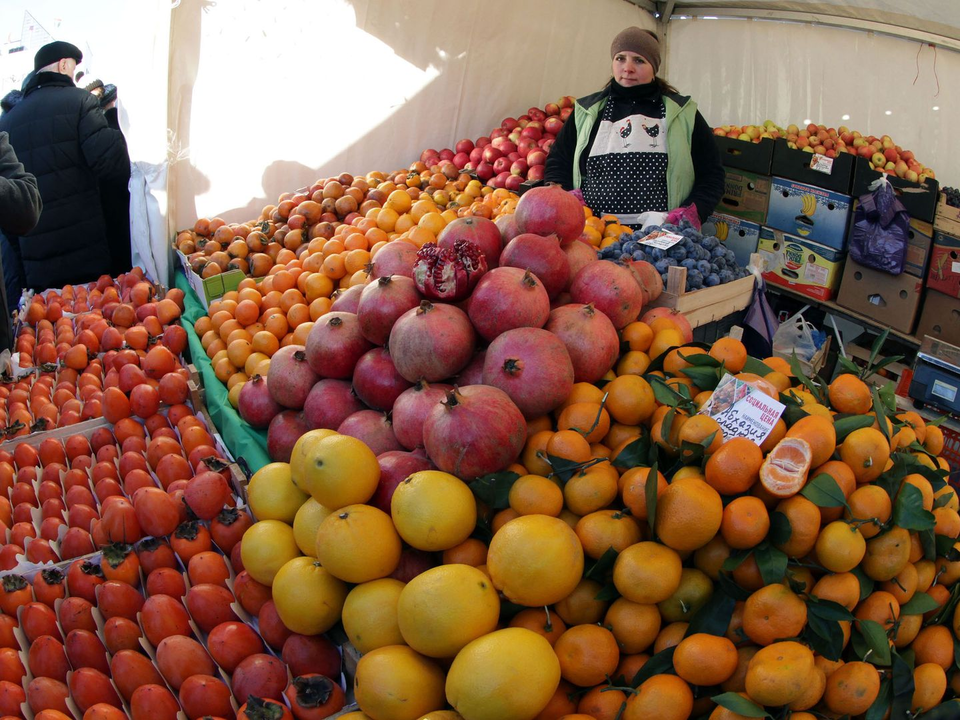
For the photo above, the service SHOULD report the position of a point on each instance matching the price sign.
(661, 239)
(822, 163)
(743, 411)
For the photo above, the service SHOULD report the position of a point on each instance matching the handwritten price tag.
(743, 411)
(661, 239)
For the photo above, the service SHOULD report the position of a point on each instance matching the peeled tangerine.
(784, 472)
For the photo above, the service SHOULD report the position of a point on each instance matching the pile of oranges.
(635, 562)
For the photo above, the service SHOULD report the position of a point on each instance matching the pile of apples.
(512, 153)
(883, 154)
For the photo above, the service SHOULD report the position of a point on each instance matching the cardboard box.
(745, 195)
(809, 212)
(742, 155)
(944, 275)
(211, 288)
(919, 199)
(919, 244)
(800, 265)
(795, 165)
(892, 300)
(946, 212)
(940, 318)
(741, 236)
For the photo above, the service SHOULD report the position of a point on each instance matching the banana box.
(809, 212)
(741, 236)
(803, 266)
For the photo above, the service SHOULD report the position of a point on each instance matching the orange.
(638, 336)
(779, 380)
(850, 394)
(730, 352)
(869, 502)
(589, 419)
(604, 529)
(773, 613)
(703, 659)
(841, 588)
(734, 467)
(784, 471)
(778, 364)
(866, 451)
(745, 522)
(541, 621)
(470, 552)
(536, 443)
(934, 644)
(819, 433)
(930, 685)
(630, 399)
(779, 673)
(665, 697)
(903, 585)
(634, 625)
(664, 340)
(880, 607)
(591, 489)
(776, 435)
(633, 362)
(587, 654)
(710, 557)
(840, 547)
(358, 543)
(933, 440)
(581, 606)
(678, 359)
(602, 703)
(851, 689)
(689, 513)
(917, 423)
(647, 572)
(846, 481)
(569, 445)
(535, 494)
(887, 554)
(735, 683)
(633, 484)
(811, 696)
(396, 681)
(923, 485)
(698, 428)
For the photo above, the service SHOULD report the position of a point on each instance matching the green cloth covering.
(241, 439)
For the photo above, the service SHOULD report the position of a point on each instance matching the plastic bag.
(795, 335)
(760, 322)
(150, 246)
(881, 230)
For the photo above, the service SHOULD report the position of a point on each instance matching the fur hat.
(643, 42)
(54, 52)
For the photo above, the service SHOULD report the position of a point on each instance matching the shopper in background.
(62, 136)
(20, 207)
(638, 149)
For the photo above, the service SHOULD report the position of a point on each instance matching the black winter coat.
(62, 137)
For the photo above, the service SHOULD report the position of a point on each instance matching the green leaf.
(659, 664)
(824, 636)
(867, 584)
(903, 686)
(793, 413)
(564, 469)
(757, 367)
(942, 501)
(664, 394)
(691, 453)
(650, 496)
(823, 491)
(780, 529)
(945, 613)
(700, 360)
(602, 567)
(878, 411)
(771, 562)
(949, 710)
(730, 587)
(494, 489)
(848, 424)
(740, 705)
(908, 510)
(889, 360)
(705, 378)
(607, 593)
(714, 617)
(879, 708)
(876, 641)
(848, 365)
(634, 454)
(937, 422)
(735, 560)
(878, 346)
(797, 370)
(888, 396)
(929, 544)
(827, 609)
(919, 604)
(945, 548)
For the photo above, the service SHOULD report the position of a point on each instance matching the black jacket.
(20, 208)
(62, 136)
(708, 169)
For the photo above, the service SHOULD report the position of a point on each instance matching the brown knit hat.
(642, 42)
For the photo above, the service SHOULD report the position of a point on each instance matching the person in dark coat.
(20, 207)
(64, 138)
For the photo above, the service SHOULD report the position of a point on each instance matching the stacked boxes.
(941, 310)
(741, 236)
(806, 267)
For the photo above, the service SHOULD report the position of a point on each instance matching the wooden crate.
(703, 306)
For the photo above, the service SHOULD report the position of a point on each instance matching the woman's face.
(630, 69)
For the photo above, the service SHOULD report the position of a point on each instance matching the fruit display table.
(241, 439)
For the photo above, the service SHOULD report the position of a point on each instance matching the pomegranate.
(611, 289)
(395, 467)
(397, 257)
(382, 302)
(329, 403)
(255, 403)
(542, 256)
(507, 298)
(550, 209)
(579, 254)
(477, 430)
(647, 277)
(376, 380)
(507, 222)
(533, 367)
(472, 374)
(373, 428)
(432, 342)
(284, 431)
(347, 300)
(481, 232)
(411, 409)
(590, 338)
(413, 562)
(678, 319)
(334, 345)
(448, 273)
(290, 377)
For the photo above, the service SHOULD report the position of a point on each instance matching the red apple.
(536, 157)
(509, 123)
(513, 182)
(501, 164)
(551, 109)
(476, 155)
(566, 102)
(865, 151)
(428, 154)
(482, 141)
(484, 171)
(491, 153)
(565, 113)
(526, 145)
(498, 132)
(464, 146)
(537, 114)
(535, 173)
(514, 156)
(547, 145)
(891, 154)
(553, 125)
(447, 154)
(519, 167)
(460, 160)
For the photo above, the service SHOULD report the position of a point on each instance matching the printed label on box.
(743, 411)
(822, 163)
(815, 274)
(661, 239)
